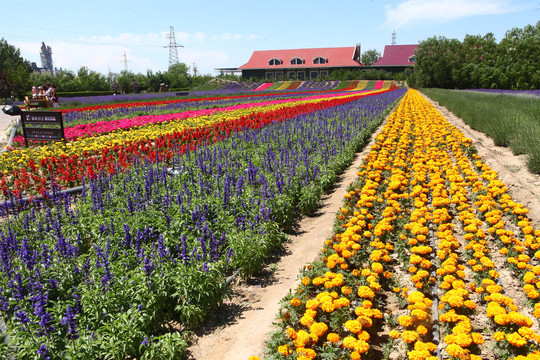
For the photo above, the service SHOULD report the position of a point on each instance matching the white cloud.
(415, 11)
(104, 53)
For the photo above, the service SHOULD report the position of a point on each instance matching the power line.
(173, 48)
(125, 61)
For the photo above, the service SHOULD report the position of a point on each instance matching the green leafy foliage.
(479, 62)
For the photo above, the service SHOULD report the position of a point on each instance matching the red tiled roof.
(339, 56)
(396, 55)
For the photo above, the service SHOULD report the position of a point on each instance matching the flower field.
(431, 258)
(170, 208)
(112, 145)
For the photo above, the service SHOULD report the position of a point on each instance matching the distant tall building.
(46, 57)
(46, 60)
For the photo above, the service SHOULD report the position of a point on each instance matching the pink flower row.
(101, 127)
(264, 86)
(378, 85)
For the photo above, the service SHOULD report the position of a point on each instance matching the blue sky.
(217, 34)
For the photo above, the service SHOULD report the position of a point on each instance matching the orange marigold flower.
(291, 333)
(394, 334)
(332, 337)
(422, 330)
(284, 350)
(296, 302)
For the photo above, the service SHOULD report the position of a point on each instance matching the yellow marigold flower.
(363, 335)
(305, 280)
(377, 267)
(419, 314)
(346, 290)
(307, 354)
(516, 339)
(312, 304)
(457, 351)
(405, 320)
(409, 336)
(318, 328)
(499, 335)
(253, 357)
(365, 292)
(469, 304)
(361, 347)
(366, 272)
(355, 355)
(477, 338)
(349, 342)
(394, 334)
(463, 340)
(327, 306)
(302, 338)
(306, 320)
(527, 333)
(353, 326)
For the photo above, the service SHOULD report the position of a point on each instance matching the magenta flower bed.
(263, 87)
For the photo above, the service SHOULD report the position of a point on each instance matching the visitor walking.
(53, 96)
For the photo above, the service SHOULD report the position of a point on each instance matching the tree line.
(17, 77)
(479, 62)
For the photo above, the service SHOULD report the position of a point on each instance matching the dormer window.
(411, 58)
(297, 61)
(275, 61)
(320, 60)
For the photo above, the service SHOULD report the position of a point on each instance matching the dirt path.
(241, 328)
(5, 126)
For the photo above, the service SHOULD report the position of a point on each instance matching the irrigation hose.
(435, 305)
(11, 137)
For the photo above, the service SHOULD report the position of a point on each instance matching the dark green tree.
(519, 54)
(436, 60)
(370, 56)
(178, 76)
(14, 70)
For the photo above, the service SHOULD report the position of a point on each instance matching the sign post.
(50, 126)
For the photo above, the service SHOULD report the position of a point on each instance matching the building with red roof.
(309, 64)
(396, 58)
(300, 64)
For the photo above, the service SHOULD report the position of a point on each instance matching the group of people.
(48, 91)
